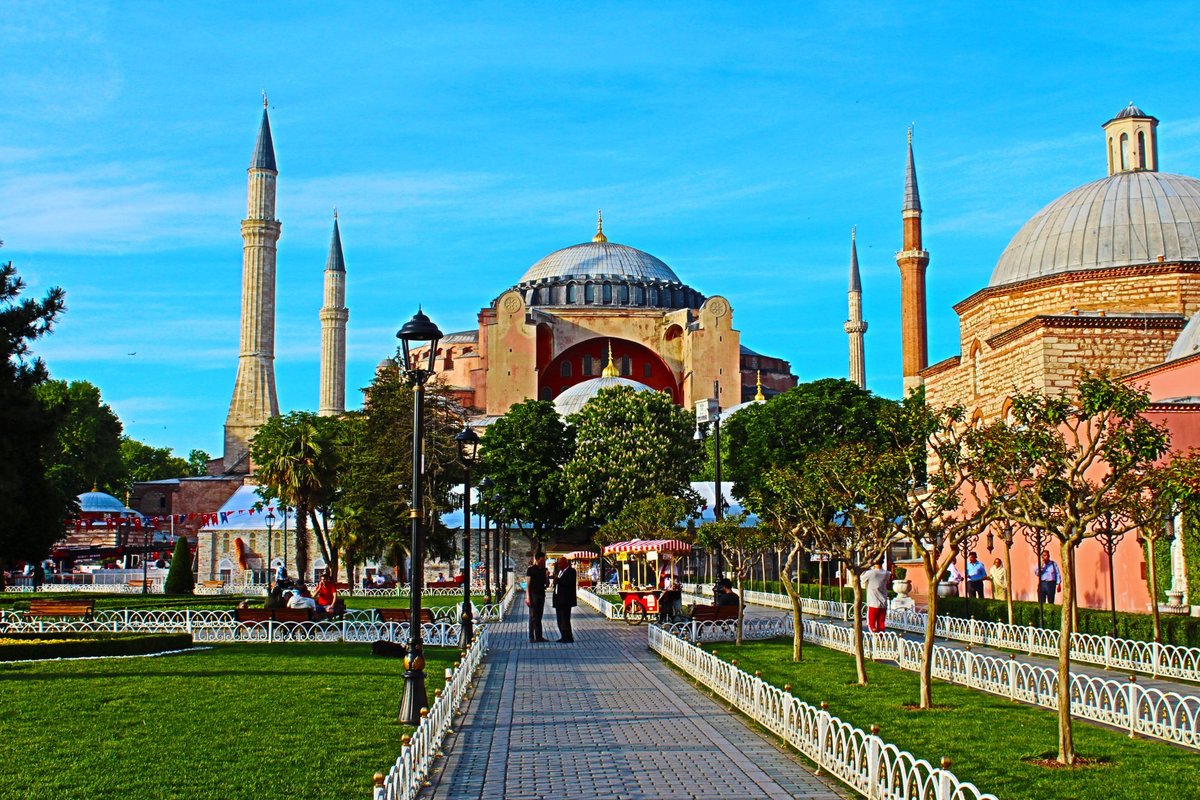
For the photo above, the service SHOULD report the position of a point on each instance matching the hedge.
(1184, 631)
(809, 590)
(33, 645)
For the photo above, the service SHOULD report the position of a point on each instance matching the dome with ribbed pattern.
(1125, 219)
(600, 259)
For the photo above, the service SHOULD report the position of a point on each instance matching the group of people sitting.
(288, 593)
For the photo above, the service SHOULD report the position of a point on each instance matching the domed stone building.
(577, 308)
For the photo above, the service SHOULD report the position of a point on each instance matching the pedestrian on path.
(976, 575)
(999, 578)
(876, 582)
(536, 580)
(564, 598)
(1049, 579)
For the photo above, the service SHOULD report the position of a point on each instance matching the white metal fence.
(406, 777)
(1158, 660)
(861, 760)
(1127, 705)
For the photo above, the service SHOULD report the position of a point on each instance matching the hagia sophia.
(1104, 278)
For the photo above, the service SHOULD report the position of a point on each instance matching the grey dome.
(600, 259)
(101, 503)
(574, 398)
(1188, 342)
(1125, 219)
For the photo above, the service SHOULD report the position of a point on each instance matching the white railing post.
(1012, 677)
(873, 748)
(1132, 705)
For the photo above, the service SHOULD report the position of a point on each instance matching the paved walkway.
(604, 718)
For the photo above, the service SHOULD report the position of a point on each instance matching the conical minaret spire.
(856, 326)
(254, 396)
(912, 260)
(334, 315)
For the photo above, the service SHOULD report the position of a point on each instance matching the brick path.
(604, 718)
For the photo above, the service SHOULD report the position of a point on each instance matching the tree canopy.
(86, 451)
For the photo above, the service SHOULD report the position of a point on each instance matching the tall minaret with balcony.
(856, 326)
(254, 396)
(333, 330)
(912, 260)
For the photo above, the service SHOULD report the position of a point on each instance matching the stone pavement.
(604, 718)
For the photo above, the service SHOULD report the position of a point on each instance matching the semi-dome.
(573, 399)
(1128, 218)
(1188, 342)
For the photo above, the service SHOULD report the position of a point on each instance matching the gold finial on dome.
(610, 369)
(759, 397)
(264, 94)
(599, 237)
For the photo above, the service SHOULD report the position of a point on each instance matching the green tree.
(198, 463)
(524, 452)
(1065, 465)
(740, 545)
(35, 507)
(658, 517)
(629, 446)
(145, 463)
(180, 579)
(86, 451)
(296, 462)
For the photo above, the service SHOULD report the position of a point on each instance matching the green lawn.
(985, 736)
(238, 721)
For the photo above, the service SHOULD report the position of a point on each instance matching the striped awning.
(648, 546)
(580, 555)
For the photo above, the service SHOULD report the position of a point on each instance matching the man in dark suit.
(564, 599)
(536, 580)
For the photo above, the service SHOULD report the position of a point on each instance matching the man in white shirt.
(298, 600)
(876, 582)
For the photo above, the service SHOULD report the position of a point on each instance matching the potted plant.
(901, 585)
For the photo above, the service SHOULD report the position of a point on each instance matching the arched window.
(647, 370)
(571, 293)
(1124, 151)
(624, 294)
(1141, 150)
(545, 393)
(587, 366)
(589, 293)
(565, 370)
(607, 293)
(626, 366)
(639, 295)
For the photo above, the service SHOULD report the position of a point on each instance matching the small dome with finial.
(599, 237)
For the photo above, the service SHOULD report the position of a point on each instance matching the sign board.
(701, 411)
(821, 557)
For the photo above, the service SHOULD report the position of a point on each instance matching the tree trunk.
(328, 551)
(3, 575)
(741, 608)
(785, 579)
(931, 579)
(1009, 575)
(860, 660)
(1154, 592)
(1066, 738)
(301, 540)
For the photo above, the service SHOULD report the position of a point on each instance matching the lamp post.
(485, 487)
(1006, 535)
(1039, 540)
(468, 447)
(1109, 537)
(418, 330)
(709, 412)
(270, 536)
(147, 540)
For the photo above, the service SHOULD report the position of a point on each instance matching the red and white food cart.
(639, 561)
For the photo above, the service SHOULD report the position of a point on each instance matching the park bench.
(703, 613)
(249, 615)
(403, 615)
(141, 584)
(62, 608)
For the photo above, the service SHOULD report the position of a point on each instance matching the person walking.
(536, 580)
(999, 578)
(1049, 579)
(564, 599)
(976, 575)
(876, 581)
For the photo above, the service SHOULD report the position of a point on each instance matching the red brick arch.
(661, 376)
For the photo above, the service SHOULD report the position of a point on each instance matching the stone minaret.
(856, 326)
(333, 330)
(254, 397)
(912, 261)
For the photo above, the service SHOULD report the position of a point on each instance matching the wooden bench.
(403, 615)
(711, 613)
(248, 615)
(141, 584)
(62, 608)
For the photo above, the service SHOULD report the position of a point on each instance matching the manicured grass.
(985, 736)
(238, 721)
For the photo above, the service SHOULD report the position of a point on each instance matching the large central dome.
(600, 259)
(1128, 218)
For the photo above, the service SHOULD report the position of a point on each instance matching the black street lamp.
(709, 411)
(1109, 537)
(485, 486)
(965, 546)
(270, 536)
(468, 447)
(1039, 540)
(418, 330)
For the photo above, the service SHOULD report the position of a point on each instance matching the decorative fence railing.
(1150, 658)
(1127, 705)
(599, 604)
(861, 760)
(405, 779)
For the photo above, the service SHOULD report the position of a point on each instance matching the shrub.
(179, 576)
(21, 646)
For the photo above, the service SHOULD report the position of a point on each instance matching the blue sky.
(462, 142)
